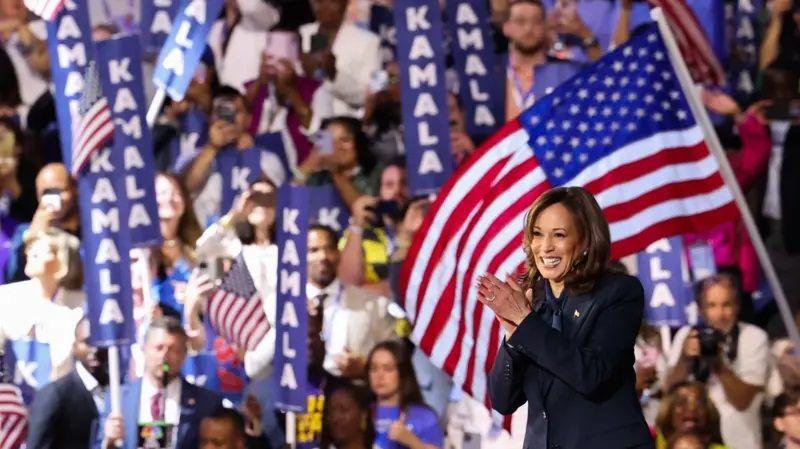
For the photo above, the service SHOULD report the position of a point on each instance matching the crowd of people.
(318, 74)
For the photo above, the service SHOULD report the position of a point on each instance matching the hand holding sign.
(114, 430)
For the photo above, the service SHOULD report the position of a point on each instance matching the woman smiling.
(570, 330)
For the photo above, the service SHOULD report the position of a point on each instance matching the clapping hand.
(506, 299)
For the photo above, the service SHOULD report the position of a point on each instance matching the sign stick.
(155, 107)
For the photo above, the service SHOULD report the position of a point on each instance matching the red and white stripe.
(46, 9)
(13, 417)
(94, 129)
(238, 320)
(694, 44)
(664, 185)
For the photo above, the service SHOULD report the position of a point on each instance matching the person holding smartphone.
(340, 54)
(283, 99)
(230, 120)
(58, 207)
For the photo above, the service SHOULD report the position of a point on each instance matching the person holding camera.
(730, 356)
(369, 240)
(230, 121)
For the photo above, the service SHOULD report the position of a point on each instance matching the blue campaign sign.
(290, 375)
(181, 53)
(328, 208)
(381, 22)
(192, 137)
(239, 169)
(156, 23)
(475, 62)
(426, 131)
(69, 41)
(743, 64)
(119, 63)
(660, 269)
(105, 251)
(31, 365)
(201, 370)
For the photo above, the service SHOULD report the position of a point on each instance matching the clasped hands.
(507, 300)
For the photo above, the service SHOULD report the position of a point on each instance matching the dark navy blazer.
(579, 383)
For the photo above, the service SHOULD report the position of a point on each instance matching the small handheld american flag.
(94, 127)
(46, 9)
(13, 414)
(235, 308)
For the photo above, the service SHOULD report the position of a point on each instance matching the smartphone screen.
(283, 45)
(323, 141)
(51, 198)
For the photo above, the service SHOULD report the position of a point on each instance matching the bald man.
(59, 209)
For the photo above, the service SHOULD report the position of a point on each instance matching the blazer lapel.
(575, 312)
(131, 397)
(188, 408)
(573, 315)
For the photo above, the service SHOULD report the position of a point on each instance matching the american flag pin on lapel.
(191, 401)
(576, 314)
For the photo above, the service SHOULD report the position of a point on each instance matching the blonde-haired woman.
(47, 307)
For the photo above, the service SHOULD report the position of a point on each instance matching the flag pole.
(727, 173)
(155, 107)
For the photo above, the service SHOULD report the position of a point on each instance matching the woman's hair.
(667, 409)
(366, 160)
(410, 393)
(362, 397)
(189, 229)
(9, 90)
(66, 248)
(245, 231)
(592, 231)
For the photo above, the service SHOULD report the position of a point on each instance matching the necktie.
(317, 302)
(155, 407)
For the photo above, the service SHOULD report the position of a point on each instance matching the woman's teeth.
(550, 262)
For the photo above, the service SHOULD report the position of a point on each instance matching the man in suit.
(64, 413)
(225, 429)
(162, 397)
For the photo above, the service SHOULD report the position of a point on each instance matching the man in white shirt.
(345, 55)
(736, 357)
(354, 320)
(162, 397)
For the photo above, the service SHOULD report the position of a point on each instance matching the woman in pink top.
(729, 241)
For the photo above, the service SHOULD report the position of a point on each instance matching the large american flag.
(46, 9)
(235, 308)
(622, 129)
(13, 417)
(693, 42)
(93, 127)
